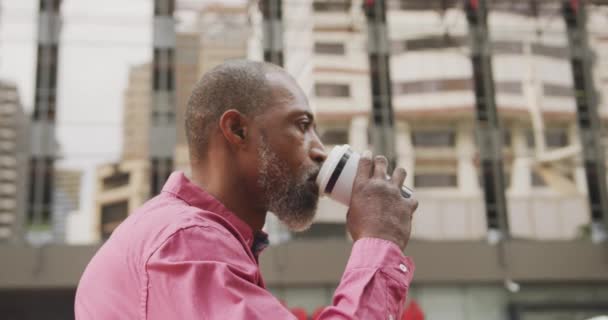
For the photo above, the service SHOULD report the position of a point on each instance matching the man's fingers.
(399, 176)
(364, 171)
(380, 164)
(414, 206)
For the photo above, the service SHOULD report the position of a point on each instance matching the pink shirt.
(183, 255)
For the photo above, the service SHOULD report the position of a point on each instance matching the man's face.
(290, 155)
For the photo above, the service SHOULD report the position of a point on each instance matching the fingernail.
(367, 154)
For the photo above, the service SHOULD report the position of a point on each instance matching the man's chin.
(299, 227)
(299, 223)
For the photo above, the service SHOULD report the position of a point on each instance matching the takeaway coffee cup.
(338, 174)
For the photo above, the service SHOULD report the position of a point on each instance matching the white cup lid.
(330, 165)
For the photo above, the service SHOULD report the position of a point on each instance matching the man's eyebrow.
(308, 114)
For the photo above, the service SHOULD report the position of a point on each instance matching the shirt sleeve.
(374, 284)
(204, 273)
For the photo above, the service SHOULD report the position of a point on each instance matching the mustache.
(312, 173)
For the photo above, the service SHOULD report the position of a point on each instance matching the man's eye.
(304, 125)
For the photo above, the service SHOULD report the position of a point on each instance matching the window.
(329, 48)
(557, 52)
(519, 7)
(45, 101)
(8, 176)
(426, 5)
(160, 171)
(506, 178)
(164, 7)
(331, 5)
(554, 138)
(7, 161)
(434, 138)
(330, 90)
(538, 180)
(112, 215)
(556, 90)
(116, 180)
(509, 87)
(508, 47)
(40, 191)
(8, 133)
(334, 136)
(435, 180)
(46, 82)
(505, 136)
(428, 86)
(530, 140)
(52, 5)
(163, 70)
(434, 42)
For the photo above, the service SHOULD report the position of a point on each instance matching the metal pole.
(272, 13)
(383, 134)
(488, 124)
(42, 138)
(588, 119)
(162, 116)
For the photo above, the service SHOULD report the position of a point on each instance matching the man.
(192, 251)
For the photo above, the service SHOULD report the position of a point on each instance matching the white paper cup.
(338, 173)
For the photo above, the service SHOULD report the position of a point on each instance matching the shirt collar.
(180, 186)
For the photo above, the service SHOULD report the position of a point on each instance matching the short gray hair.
(235, 84)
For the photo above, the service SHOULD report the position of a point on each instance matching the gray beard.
(288, 196)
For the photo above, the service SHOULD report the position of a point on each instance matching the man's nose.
(317, 152)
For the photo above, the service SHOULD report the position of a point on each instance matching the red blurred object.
(475, 4)
(317, 313)
(369, 3)
(574, 4)
(299, 313)
(413, 312)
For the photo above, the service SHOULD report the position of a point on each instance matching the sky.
(100, 41)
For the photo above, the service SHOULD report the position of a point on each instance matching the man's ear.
(234, 125)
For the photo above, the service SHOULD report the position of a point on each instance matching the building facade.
(123, 186)
(120, 189)
(433, 102)
(66, 200)
(13, 160)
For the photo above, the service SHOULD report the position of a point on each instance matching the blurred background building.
(13, 157)
(548, 268)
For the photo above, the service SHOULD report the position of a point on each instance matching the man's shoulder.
(179, 227)
(200, 239)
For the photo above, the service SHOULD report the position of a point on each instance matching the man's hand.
(377, 208)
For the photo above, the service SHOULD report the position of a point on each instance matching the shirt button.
(390, 317)
(403, 267)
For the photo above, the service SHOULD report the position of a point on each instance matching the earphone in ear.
(240, 133)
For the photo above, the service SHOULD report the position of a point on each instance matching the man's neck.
(228, 190)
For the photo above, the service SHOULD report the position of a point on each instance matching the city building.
(13, 161)
(66, 200)
(433, 103)
(123, 186)
(136, 113)
(120, 189)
